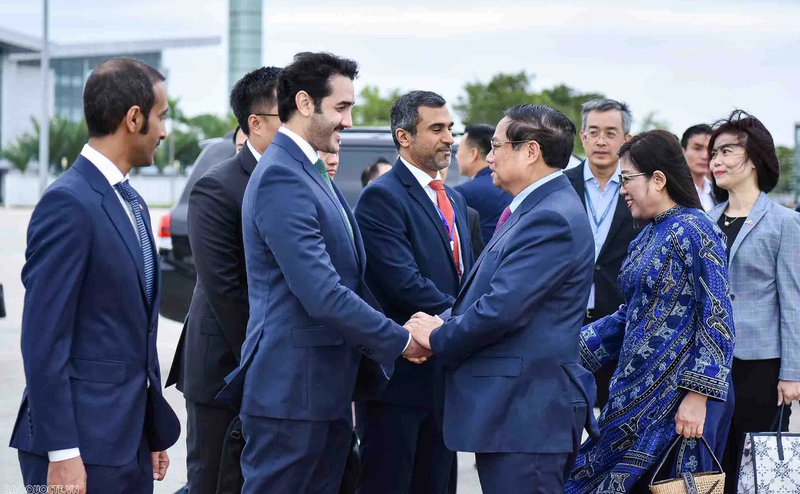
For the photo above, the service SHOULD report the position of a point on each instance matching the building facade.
(244, 38)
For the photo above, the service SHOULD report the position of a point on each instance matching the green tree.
(485, 103)
(374, 109)
(66, 141)
(785, 158)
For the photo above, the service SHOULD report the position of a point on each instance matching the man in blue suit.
(479, 192)
(92, 413)
(418, 248)
(515, 392)
(315, 337)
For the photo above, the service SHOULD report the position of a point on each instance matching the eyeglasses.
(498, 144)
(623, 178)
(266, 114)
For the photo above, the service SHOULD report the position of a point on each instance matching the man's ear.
(305, 103)
(134, 120)
(403, 137)
(254, 123)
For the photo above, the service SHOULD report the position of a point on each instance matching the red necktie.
(447, 211)
(503, 218)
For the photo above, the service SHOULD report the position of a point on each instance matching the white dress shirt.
(256, 153)
(425, 181)
(313, 157)
(527, 190)
(706, 194)
(114, 176)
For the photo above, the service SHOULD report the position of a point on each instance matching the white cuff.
(407, 343)
(63, 454)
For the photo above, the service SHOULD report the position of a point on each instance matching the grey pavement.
(13, 225)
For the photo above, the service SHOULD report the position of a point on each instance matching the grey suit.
(764, 271)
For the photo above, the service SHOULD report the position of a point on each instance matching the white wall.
(23, 190)
(22, 99)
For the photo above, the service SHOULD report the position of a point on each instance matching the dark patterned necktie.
(327, 179)
(129, 194)
(503, 218)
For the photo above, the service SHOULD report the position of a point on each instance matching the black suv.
(360, 146)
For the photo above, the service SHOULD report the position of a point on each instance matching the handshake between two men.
(421, 325)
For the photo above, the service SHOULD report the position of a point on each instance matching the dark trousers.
(521, 473)
(602, 378)
(755, 384)
(403, 451)
(205, 433)
(135, 477)
(294, 456)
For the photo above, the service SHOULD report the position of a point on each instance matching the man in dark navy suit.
(92, 414)
(480, 193)
(418, 248)
(515, 392)
(315, 338)
(211, 341)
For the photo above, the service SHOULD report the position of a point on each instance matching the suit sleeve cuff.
(407, 343)
(63, 454)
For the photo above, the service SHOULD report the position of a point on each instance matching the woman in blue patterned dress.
(673, 336)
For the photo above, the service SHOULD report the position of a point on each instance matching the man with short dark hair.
(480, 193)
(315, 338)
(374, 170)
(416, 237)
(605, 126)
(695, 148)
(515, 392)
(214, 330)
(92, 414)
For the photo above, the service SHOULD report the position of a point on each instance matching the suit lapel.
(295, 152)
(758, 212)
(118, 216)
(527, 204)
(418, 193)
(247, 160)
(580, 185)
(462, 224)
(621, 214)
(357, 243)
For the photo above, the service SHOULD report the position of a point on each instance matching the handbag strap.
(777, 426)
(672, 446)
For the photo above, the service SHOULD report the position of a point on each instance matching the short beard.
(430, 162)
(319, 135)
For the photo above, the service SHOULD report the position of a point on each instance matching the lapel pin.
(141, 207)
(748, 223)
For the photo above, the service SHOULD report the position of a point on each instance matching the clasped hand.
(421, 325)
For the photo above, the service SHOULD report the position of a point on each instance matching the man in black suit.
(418, 249)
(210, 345)
(605, 126)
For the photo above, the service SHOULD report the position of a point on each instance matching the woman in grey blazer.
(764, 271)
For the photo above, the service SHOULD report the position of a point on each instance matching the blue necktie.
(129, 194)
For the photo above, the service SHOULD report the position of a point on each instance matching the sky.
(688, 61)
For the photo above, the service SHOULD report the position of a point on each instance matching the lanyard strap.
(446, 226)
(599, 222)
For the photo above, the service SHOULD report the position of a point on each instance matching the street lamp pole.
(44, 121)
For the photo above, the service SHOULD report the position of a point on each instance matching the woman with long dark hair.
(763, 248)
(673, 336)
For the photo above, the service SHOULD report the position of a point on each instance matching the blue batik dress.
(674, 333)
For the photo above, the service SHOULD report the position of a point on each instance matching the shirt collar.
(255, 153)
(106, 167)
(423, 178)
(588, 174)
(707, 186)
(304, 146)
(535, 185)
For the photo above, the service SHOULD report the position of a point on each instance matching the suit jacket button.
(597, 268)
(733, 297)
